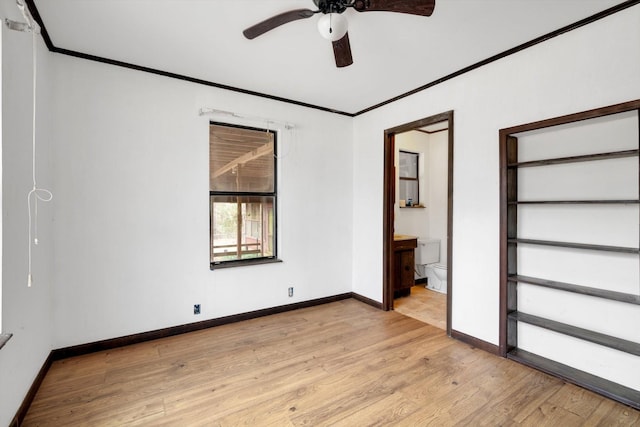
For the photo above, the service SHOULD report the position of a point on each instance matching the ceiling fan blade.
(414, 7)
(342, 51)
(275, 21)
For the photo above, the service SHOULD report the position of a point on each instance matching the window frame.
(412, 179)
(214, 265)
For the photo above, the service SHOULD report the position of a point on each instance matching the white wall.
(129, 172)
(589, 67)
(132, 205)
(26, 311)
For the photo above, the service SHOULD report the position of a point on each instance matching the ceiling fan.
(333, 26)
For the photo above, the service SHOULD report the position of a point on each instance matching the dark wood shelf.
(586, 246)
(575, 159)
(607, 388)
(575, 202)
(573, 331)
(578, 289)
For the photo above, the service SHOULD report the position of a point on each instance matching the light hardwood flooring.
(425, 305)
(343, 363)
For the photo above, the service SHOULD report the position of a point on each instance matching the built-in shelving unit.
(512, 244)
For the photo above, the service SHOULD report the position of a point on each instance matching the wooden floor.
(343, 363)
(425, 305)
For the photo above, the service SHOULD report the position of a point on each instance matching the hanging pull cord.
(42, 195)
(37, 193)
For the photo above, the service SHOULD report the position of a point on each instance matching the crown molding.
(586, 21)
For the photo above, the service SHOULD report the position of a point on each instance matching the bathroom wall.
(437, 175)
(413, 221)
(430, 222)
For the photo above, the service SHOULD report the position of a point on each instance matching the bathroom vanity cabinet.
(404, 264)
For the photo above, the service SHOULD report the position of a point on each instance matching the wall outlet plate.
(291, 291)
(196, 309)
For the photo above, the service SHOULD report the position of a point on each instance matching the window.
(243, 195)
(408, 171)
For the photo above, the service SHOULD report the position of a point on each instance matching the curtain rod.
(204, 111)
(29, 26)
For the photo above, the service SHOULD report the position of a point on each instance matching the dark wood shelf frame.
(510, 241)
(578, 289)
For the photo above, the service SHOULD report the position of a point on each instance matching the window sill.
(4, 338)
(242, 263)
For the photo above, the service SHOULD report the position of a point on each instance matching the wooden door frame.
(389, 201)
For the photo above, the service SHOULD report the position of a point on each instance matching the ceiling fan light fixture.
(332, 26)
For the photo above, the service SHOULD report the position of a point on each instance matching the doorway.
(390, 201)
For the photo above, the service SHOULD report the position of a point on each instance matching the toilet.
(428, 255)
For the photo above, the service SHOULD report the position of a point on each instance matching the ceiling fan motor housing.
(334, 6)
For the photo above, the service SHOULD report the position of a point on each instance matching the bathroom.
(421, 161)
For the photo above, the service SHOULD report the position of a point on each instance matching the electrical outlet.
(196, 309)
(291, 291)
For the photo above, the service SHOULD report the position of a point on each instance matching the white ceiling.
(393, 53)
